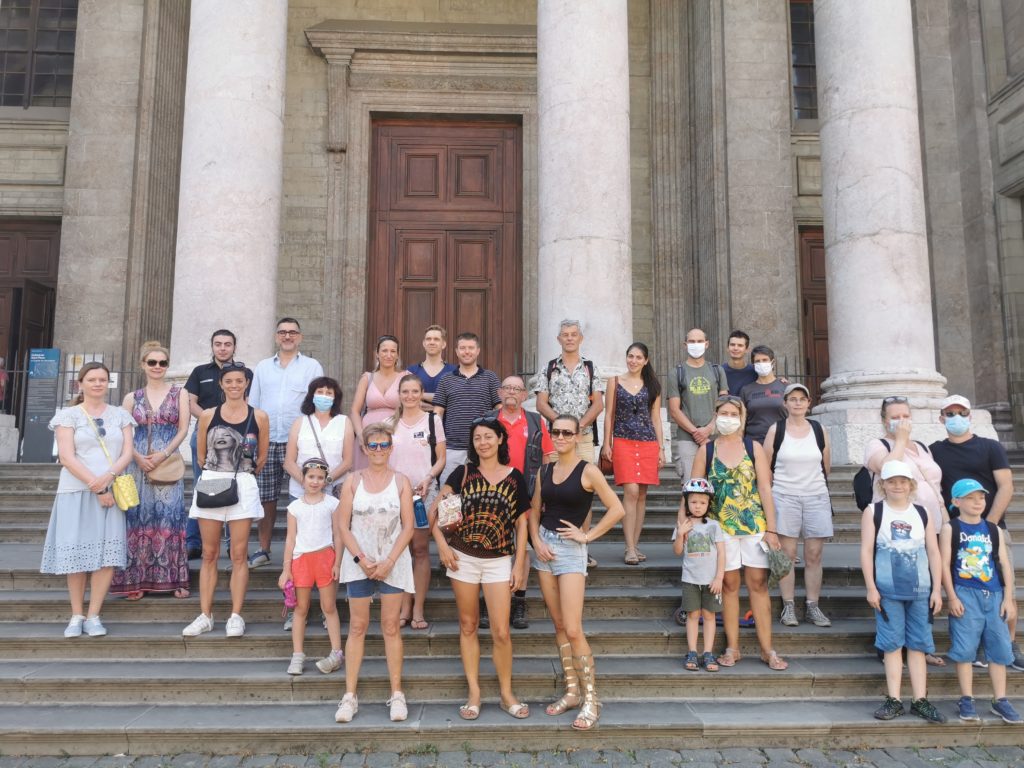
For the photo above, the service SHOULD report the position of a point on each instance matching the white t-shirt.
(314, 524)
(332, 440)
(411, 452)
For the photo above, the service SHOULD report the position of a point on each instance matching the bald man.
(691, 404)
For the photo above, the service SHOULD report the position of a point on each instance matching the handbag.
(449, 509)
(606, 465)
(172, 468)
(126, 493)
(215, 492)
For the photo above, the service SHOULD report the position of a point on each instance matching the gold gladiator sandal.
(571, 699)
(590, 712)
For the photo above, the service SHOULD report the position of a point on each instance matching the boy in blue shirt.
(978, 578)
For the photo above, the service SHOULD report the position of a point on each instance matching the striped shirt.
(465, 399)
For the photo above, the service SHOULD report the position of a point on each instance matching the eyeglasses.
(513, 389)
(894, 399)
(566, 433)
(155, 363)
(378, 446)
(289, 333)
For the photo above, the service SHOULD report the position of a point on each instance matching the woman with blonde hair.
(376, 396)
(157, 555)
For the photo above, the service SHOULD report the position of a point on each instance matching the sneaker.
(788, 617)
(331, 662)
(814, 615)
(347, 708)
(1005, 710)
(965, 707)
(289, 621)
(890, 709)
(259, 558)
(485, 620)
(94, 627)
(926, 711)
(235, 626)
(1018, 658)
(296, 664)
(399, 711)
(980, 660)
(202, 623)
(519, 620)
(74, 627)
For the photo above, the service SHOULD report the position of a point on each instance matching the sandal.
(419, 624)
(402, 621)
(640, 556)
(135, 595)
(182, 592)
(774, 661)
(571, 698)
(729, 657)
(469, 711)
(934, 660)
(708, 662)
(590, 712)
(692, 661)
(631, 558)
(519, 710)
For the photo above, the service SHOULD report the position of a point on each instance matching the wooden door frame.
(805, 233)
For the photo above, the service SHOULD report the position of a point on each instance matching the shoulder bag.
(172, 468)
(215, 492)
(449, 509)
(126, 493)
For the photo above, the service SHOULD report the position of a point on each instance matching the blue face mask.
(957, 425)
(323, 402)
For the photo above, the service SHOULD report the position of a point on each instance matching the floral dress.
(157, 556)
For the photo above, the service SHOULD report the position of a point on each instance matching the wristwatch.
(357, 558)
(330, 479)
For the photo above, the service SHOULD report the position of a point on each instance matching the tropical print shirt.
(737, 504)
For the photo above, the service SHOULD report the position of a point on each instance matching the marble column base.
(8, 439)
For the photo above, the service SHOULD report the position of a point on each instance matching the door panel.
(815, 314)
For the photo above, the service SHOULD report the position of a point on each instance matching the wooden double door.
(445, 244)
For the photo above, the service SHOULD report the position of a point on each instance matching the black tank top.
(226, 444)
(566, 500)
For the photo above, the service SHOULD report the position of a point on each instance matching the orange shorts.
(312, 568)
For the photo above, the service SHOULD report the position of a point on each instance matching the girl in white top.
(411, 456)
(310, 559)
(321, 432)
(376, 523)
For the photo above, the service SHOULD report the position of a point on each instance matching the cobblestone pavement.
(961, 757)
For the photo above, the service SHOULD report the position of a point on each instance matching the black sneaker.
(485, 620)
(891, 709)
(519, 620)
(926, 711)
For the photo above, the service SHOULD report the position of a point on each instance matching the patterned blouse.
(737, 504)
(633, 415)
(489, 512)
(569, 391)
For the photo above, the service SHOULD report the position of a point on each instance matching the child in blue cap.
(978, 578)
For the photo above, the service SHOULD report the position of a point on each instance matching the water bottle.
(420, 511)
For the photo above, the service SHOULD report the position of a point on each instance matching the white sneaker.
(331, 662)
(289, 621)
(234, 626)
(94, 627)
(347, 708)
(399, 710)
(297, 662)
(74, 627)
(201, 624)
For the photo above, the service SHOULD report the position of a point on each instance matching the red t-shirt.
(518, 433)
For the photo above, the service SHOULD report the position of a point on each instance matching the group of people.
(452, 435)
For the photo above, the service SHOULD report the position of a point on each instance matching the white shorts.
(744, 551)
(481, 570)
(248, 506)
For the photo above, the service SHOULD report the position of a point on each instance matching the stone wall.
(32, 156)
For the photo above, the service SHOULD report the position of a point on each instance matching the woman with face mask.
(763, 397)
(321, 432)
(740, 473)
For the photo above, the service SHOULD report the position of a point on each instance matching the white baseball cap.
(896, 468)
(956, 400)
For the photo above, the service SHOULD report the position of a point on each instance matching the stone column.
(880, 318)
(585, 261)
(229, 208)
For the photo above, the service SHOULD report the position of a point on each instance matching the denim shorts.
(907, 625)
(980, 624)
(570, 556)
(369, 587)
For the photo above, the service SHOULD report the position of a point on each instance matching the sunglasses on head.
(314, 464)
(894, 399)
(729, 399)
(155, 363)
(232, 364)
(487, 421)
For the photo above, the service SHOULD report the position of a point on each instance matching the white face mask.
(763, 368)
(727, 424)
(696, 350)
(894, 424)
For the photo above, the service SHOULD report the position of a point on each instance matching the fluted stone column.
(229, 209)
(585, 259)
(880, 322)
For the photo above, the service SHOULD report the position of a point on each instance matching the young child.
(702, 544)
(310, 558)
(899, 556)
(978, 576)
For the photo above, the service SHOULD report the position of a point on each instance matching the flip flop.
(402, 622)
(181, 593)
(133, 596)
(419, 624)
(469, 711)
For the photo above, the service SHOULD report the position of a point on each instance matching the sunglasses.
(566, 433)
(487, 421)
(894, 399)
(378, 446)
(951, 414)
(232, 364)
(155, 363)
(729, 399)
(314, 464)
(99, 427)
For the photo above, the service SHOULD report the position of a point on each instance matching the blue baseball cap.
(963, 487)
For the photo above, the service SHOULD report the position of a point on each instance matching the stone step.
(308, 727)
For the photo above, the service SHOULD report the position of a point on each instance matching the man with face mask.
(964, 455)
(691, 404)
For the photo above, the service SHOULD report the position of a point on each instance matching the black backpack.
(864, 481)
(432, 442)
(819, 438)
(878, 524)
(993, 532)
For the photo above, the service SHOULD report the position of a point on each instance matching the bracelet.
(775, 532)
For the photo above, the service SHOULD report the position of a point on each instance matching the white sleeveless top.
(798, 467)
(376, 525)
(332, 440)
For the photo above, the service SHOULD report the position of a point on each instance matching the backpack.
(534, 456)
(819, 438)
(878, 524)
(864, 480)
(993, 531)
(432, 442)
(709, 447)
(716, 371)
(589, 365)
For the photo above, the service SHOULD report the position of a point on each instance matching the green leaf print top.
(737, 505)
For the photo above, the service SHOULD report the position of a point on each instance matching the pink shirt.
(411, 452)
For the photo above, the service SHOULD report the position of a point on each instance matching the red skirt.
(635, 461)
